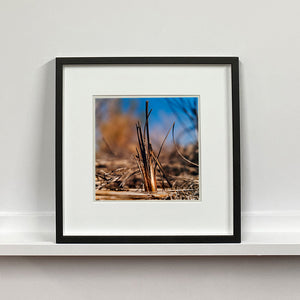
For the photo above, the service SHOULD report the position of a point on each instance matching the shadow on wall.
(45, 180)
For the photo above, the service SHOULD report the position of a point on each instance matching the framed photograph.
(147, 150)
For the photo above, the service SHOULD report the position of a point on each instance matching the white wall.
(266, 37)
(264, 34)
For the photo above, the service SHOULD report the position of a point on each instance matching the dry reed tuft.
(145, 157)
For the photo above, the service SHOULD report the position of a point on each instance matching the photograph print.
(147, 148)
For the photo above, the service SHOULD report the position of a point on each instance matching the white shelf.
(43, 244)
(19, 236)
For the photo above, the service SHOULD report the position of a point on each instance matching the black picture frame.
(234, 63)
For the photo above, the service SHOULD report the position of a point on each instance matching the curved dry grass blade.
(179, 153)
(163, 142)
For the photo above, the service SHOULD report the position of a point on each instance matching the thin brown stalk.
(108, 147)
(179, 153)
(163, 142)
(142, 170)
